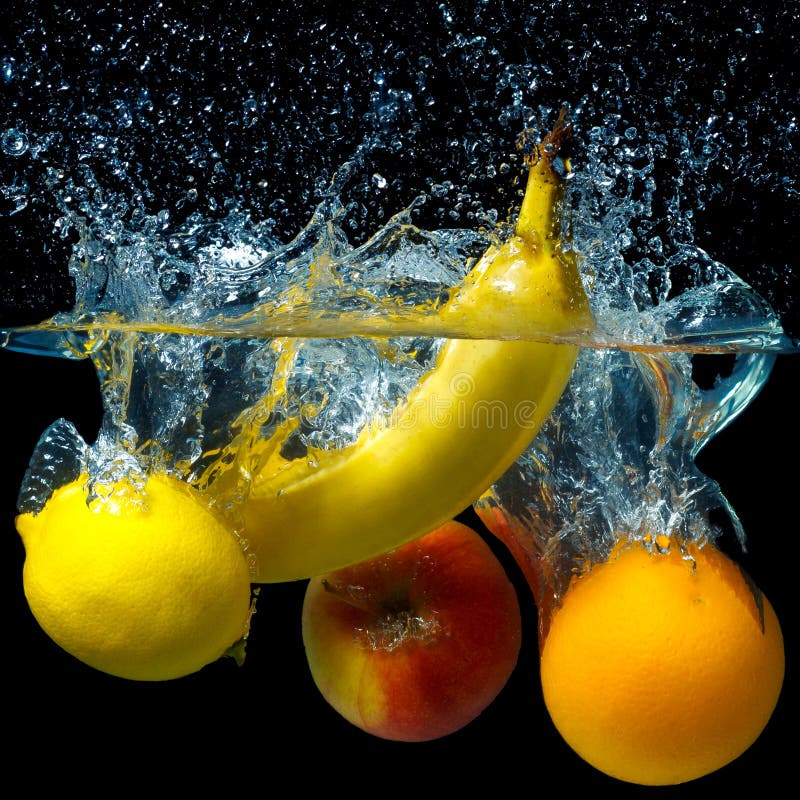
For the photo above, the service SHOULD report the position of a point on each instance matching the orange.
(659, 668)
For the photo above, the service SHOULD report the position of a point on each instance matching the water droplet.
(14, 142)
(379, 181)
(7, 69)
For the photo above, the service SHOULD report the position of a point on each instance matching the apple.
(416, 643)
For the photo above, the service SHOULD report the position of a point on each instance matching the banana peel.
(465, 423)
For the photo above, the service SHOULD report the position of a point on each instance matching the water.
(617, 460)
(249, 222)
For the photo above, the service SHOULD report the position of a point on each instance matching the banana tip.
(548, 148)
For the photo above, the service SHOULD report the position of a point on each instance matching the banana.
(464, 424)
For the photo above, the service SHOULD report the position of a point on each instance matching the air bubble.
(14, 142)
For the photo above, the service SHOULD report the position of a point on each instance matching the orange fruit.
(659, 668)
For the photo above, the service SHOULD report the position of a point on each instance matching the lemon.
(148, 588)
(659, 669)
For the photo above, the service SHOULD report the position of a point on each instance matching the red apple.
(414, 644)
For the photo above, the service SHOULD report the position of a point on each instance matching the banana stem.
(539, 217)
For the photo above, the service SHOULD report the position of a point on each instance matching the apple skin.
(416, 643)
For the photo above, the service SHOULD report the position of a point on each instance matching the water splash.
(616, 461)
(247, 176)
(165, 123)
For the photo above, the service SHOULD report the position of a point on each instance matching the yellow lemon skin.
(658, 669)
(149, 591)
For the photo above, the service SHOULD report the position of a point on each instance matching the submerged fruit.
(147, 587)
(659, 669)
(462, 427)
(414, 644)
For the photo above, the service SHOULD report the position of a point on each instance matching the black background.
(264, 722)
